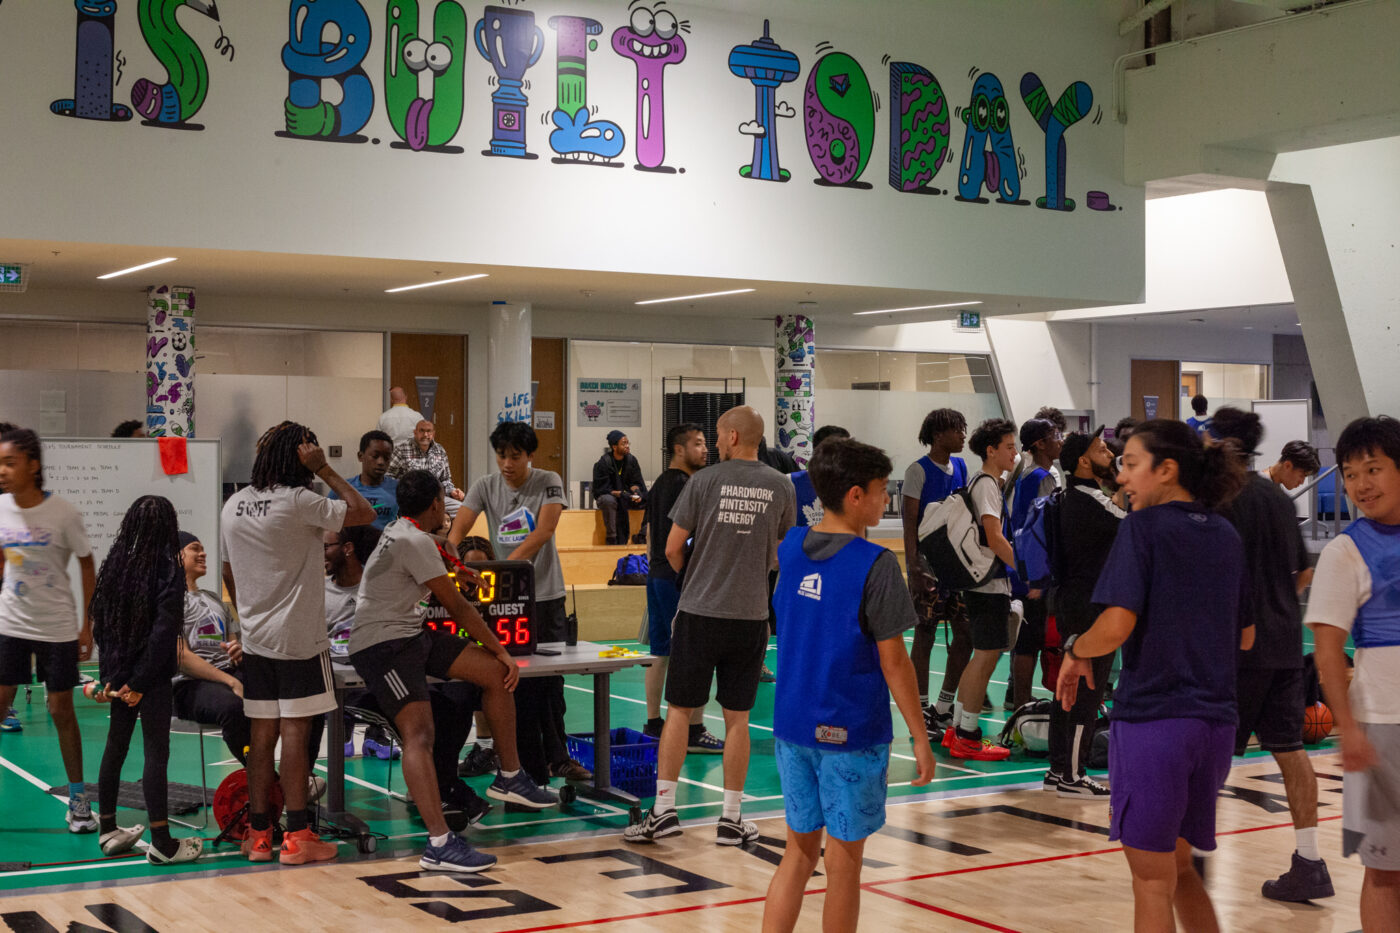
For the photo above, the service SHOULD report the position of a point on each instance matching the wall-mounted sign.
(611, 403)
(969, 320)
(14, 277)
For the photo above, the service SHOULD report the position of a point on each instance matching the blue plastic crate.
(632, 759)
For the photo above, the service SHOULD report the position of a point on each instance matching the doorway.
(1155, 388)
(551, 423)
(444, 356)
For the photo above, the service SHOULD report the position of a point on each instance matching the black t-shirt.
(664, 493)
(1088, 526)
(1274, 552)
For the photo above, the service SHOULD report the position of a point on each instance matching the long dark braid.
(144, 555)
(277, 463)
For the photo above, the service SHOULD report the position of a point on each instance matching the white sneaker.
(80, 818)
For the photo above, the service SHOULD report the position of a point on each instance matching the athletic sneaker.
(521, 790)
(350, 747)
(735, 832)
(1308, 879)
(949, 734)
(977, 748)
(455, 855)
(704, 741)
(480, 760)
(315, 788)
(1051, 781)
(378, 744)
(460, 815)
(304, 846)
(11, 722)
(1008, 705)
(937, 724)
(257, 845)
(766, 676)
(1084, 788)
(653, 727)
(653, 827)
(570, 770)
(80, 818)
(122, 839)
(986, 704)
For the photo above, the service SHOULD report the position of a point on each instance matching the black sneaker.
(653, 727)
(1084, 787)
(986, 704)
(735, 832)
(479, 761)
(936, 723)
(1051, 781)
(1306, 880)
(1198, 862)
(653, 827)
(704, 742)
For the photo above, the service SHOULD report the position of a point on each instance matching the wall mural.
(331, 97)
(170, 361)
(794, 403)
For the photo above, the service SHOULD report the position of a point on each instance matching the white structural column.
(508, 369)
(170, 361)
(794, 395)
(1337, 214)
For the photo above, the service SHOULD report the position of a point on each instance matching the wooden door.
(1160, 378)
(547, 370)
(1190, 385)
(444, 356)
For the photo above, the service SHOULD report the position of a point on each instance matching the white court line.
(112, 863)
(10, 765)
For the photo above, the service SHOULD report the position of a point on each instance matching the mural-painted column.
(508, 373)
(170, 361)
(795, 399)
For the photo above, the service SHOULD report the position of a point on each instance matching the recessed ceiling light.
(1249, 327)
(144, 265)
(954, 304)
(435, 282)
(658, 301)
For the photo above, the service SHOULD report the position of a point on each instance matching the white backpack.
(951, 539)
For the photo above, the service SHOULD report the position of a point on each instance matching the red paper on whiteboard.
(173, 456)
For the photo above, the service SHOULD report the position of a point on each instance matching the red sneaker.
(257, 845)
(977, 749)
(949, 734)
(304, 846)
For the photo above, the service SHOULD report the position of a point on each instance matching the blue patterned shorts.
(843, 790)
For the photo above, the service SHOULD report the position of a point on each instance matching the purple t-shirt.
(1181, 569)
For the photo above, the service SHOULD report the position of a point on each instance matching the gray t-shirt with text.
(394, 586)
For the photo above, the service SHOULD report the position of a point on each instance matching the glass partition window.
(1224, 384)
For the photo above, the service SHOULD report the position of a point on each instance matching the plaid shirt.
(407, 457)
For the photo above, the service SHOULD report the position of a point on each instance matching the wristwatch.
(1069, 647)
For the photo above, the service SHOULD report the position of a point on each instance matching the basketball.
(1317, 723)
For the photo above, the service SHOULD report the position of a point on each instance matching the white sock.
(923, 700)
(439, 841)
(1201, 853)
(665, 797)
(1307, 843)
(955, 708)
(487, 742)
(510, 774)
(968, 722)
(732, 800)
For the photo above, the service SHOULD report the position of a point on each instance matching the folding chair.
(190, 727)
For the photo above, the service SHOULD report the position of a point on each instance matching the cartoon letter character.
(767, 66)
(918, 126)
(839, 118)
(988, 120)
(425, 117)
(576, 137)
(512, 43)
(1073, 104)
(652, 41)
(326, 41)
(92, 65)
(180, 97)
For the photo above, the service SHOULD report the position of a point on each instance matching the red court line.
(872, 885)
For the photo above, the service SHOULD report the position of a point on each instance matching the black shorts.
(988, 615)
(728, 651)
(1031, 638)
(279, 689)
(397, 671)
(57, 662)
(551, 619)
(1271, 706)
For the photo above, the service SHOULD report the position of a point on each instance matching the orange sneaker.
(304, 846)
(978, 749)
(257, 845)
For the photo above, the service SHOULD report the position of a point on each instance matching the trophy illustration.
(511, 42)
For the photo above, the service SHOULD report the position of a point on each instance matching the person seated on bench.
(618, 487)
(395, 654)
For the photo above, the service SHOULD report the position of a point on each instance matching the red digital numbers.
(447, 625)
(513, 631)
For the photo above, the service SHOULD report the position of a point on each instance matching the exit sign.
(969, 320)
(14, 277)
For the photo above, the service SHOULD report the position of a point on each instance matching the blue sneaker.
(378, 744)
(349, 748)
(456, 855)
(521, 790)
(12, 723)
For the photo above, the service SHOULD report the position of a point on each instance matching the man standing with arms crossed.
(737, 511)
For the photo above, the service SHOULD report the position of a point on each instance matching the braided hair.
(144, 555)
(277, 462)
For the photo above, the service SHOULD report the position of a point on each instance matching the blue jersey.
(937, 484)
(384, 498)
(832, 693)
(809, 507)
(1377, 622)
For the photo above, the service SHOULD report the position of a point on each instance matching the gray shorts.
(1371, 803)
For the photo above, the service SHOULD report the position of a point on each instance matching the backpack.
(1029, 727)
(1098, 750)
(631, 570)
(1037, 544)
(953, 542)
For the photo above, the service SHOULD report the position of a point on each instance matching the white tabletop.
(583, 658)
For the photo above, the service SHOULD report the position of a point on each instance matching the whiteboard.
(101, 477)
(1284, 420)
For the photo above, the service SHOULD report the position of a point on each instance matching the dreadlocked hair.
(938, 421)
(144, 556)
(277, 462)
(27, 443)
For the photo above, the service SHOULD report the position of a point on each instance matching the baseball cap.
(614, 437)
(1076, 445)
(1037, 429)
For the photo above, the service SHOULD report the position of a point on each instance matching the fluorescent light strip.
(146, 265)
(955, 304)
(436, 282)
(657, 301)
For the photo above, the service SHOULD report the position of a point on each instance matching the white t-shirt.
(1341, 584)
(394, 585)
(36, 601)
(987, 500)
(398, 422)
(340, 614)
(274, 540)
(206, 630)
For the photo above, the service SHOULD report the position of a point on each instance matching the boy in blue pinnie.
(843, 609)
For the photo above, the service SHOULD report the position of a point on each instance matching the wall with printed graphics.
(938, 144)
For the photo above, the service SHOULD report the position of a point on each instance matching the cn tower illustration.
(768, 66)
